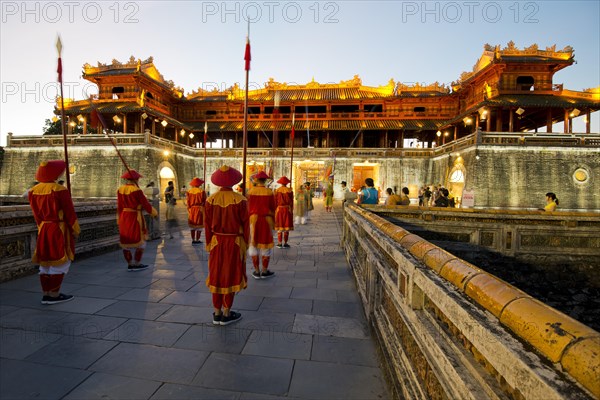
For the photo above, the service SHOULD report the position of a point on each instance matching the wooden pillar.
(477, 121)
(85, 125)
(386, 140)
(549, 120)
(401, 139)
(361, 140)
(125, 123)
(488, 122)
(511, 120)
(499, 120)
(455, 132)
(566, 122)
(153, 127)
(588, 121)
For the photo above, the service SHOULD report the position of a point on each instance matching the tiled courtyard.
(149, 334)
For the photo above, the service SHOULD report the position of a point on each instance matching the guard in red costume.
(227, 230)
(261, 207)
(284, 213)
(196, 199)
(58, 228)
(132, 228)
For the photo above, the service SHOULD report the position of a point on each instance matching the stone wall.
(18, 234)
(520, 177)
(449, 330)
(501, 176)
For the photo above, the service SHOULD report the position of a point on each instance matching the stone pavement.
(149, 334)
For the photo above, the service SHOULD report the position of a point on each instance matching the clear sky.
(201, 43)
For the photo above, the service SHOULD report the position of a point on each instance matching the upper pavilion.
(508, 90)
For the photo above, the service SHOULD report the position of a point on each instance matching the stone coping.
(556, 336)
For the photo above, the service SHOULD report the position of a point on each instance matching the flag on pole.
(96, 118)
(59, 67)
(293, 129)
(205, 131)
(247, 56)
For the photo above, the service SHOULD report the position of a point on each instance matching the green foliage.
(54, 128)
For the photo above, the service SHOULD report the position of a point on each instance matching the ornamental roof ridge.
(494, 53)
(116, 64)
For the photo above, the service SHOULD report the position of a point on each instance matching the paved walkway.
(149, 334)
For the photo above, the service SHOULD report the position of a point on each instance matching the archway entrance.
(456, 183)
(362, 171)
(167, 174)
(309, 171)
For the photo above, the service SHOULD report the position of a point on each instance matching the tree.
(55, 128)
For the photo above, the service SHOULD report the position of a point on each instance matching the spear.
(247, 58)
(62, 112)
(292, 140)
(205, 132)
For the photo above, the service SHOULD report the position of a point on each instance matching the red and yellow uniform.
(284, 216)
(130, 203)
(58, 227)
(196, 200)
(132, 227)
(284, 213)
(261, 207)
(227, 232)
(57, 223)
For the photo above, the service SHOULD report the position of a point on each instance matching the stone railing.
(450, 330)
(18, 234)
(555, 239)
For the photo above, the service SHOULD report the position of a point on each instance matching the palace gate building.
(490, 132)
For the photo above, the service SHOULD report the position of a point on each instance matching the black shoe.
(266, 274)
(233, 317)
(279, 246)
(256, 274)
(217, 319)
(61, 298)
(134, 268)
(286, 246)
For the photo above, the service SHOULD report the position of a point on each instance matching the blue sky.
(201, 43)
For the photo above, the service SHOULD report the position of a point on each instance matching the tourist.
(392, 198)
(227, 232)
(284, 215)
(442, 199)
(261, 210)
(152, 223)
(57, 228)
(169, 191)
(301, 205)
(370, 195)
(404, 199)
(421, 194)
(309, 204)
(329, 195)
(196, 200)
(551, 202)
(171, 223)
(183, 194)
(132, 229)
(426, 196)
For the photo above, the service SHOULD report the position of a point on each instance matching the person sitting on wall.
(404, 199)
(392, 198)
(370, 194)
(551, 202)
(442, 199)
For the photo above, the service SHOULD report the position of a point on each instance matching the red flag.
(247, 55)
(59, 69)
(96, 118)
